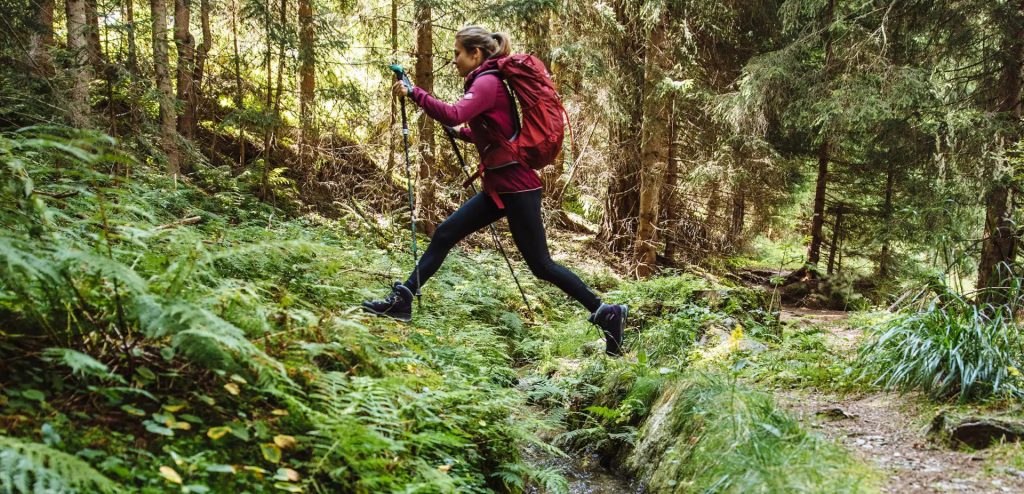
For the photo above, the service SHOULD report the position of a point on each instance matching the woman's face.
(466, 61)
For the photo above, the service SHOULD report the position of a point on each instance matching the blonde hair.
(491, 44)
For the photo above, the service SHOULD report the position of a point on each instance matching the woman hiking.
(511, 189)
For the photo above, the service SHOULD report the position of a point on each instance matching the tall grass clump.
(712, 434)
(952, 348)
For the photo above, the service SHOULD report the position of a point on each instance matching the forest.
(810, 207)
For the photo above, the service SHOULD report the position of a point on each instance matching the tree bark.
(424, 78)
(238, 82)
(41, 40)
(393, 135)
(307, 77)
(79, 108)
(202, 52)
(654, 144)
(883, 257)
(739, 212)
(668, 196)
(94, 50)
(619, 224)
(999, 247)
(161, 69)
(185, 43)
(133, 50)
(817, 220)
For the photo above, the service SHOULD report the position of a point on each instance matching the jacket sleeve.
(478, 99)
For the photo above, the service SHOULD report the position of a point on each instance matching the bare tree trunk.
(41, 39)
(999, 248)
(186, 59)
(393, 134)
(238, 82)
(668, 196)
(133, 50)
(77, 33)
(425, 126)
(883, 258)
(622, 207)
(162, 72)
(837, 229)
(307, 77)
(202, 52)
(654, 144)
(739, 210)
(94, 51)
(267, 105)
(817, 221)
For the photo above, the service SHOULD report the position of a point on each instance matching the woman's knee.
(445, 235)
(543, 269)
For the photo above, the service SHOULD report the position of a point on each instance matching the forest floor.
(890, 431)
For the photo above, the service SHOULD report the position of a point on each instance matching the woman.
(511, 189)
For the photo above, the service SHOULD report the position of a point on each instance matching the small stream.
(584, 473)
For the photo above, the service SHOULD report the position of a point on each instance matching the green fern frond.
(80, 363)
(32, 468)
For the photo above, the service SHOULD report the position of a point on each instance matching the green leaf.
(271, 452)
(33, 394)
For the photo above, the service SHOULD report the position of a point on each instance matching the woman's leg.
(523, 210)
(476, 213)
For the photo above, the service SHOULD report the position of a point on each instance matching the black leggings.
(523, 212)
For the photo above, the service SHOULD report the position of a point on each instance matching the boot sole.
(403, 318)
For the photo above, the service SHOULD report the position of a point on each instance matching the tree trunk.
(93, 51)
(814, 249)
(883, 257)
(77, 42)
(425, 126)
(739, 210)
(999, 247)
(619, 225)
(654, 144)
(162, 72)
(238, 82)
(133, 50)
(186, 59)
(668, 196)
(267, 105)
(307, 78)
(818, 220)
(202, 52)
(837, 229)
(393, 135)
(41, 40)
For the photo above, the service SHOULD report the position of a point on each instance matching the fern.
(80, 363)
(30, 468)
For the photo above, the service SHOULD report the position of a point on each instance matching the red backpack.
(541, 129)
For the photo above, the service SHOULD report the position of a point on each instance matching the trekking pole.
(400, 76)
(494, 231)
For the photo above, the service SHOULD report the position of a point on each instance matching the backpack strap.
(511, 97)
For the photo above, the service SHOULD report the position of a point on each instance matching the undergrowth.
(951, 348)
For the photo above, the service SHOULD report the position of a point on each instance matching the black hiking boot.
(397, 305)
(612, 320)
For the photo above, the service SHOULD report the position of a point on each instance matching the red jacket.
(488, 108)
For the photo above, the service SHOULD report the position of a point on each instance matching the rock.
(835, 413)
(976, 432)
(980, 433)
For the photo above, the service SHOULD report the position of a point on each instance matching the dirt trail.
(889, 430)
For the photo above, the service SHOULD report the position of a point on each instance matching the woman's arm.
(478, 99)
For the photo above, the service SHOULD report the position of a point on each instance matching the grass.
(952, 348)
